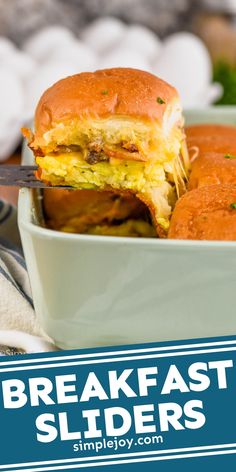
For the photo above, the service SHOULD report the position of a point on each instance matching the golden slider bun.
(213, 168)
(206, 130)
(119, 105)
(206, 213)
(101, 94)
(211, 138)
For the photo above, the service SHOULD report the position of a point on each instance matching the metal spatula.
(22, 176)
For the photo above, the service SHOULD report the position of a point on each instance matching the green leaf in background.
(225, 74)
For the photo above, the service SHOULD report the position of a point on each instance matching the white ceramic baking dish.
(92, 290)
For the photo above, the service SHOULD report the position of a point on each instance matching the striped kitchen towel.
(16, 305)
(8, 224)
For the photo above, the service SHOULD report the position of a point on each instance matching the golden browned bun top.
(205, 213)
(212, 168)
(211, 129)
(100, 94)
(211, 138)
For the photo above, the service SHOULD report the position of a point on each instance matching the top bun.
(104, 93)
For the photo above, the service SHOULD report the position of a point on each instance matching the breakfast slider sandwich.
(205, 213)
(116, 129)
(206, 138)
(212, 168)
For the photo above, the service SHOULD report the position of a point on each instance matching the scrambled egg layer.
(148, 179)
(72, 170)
